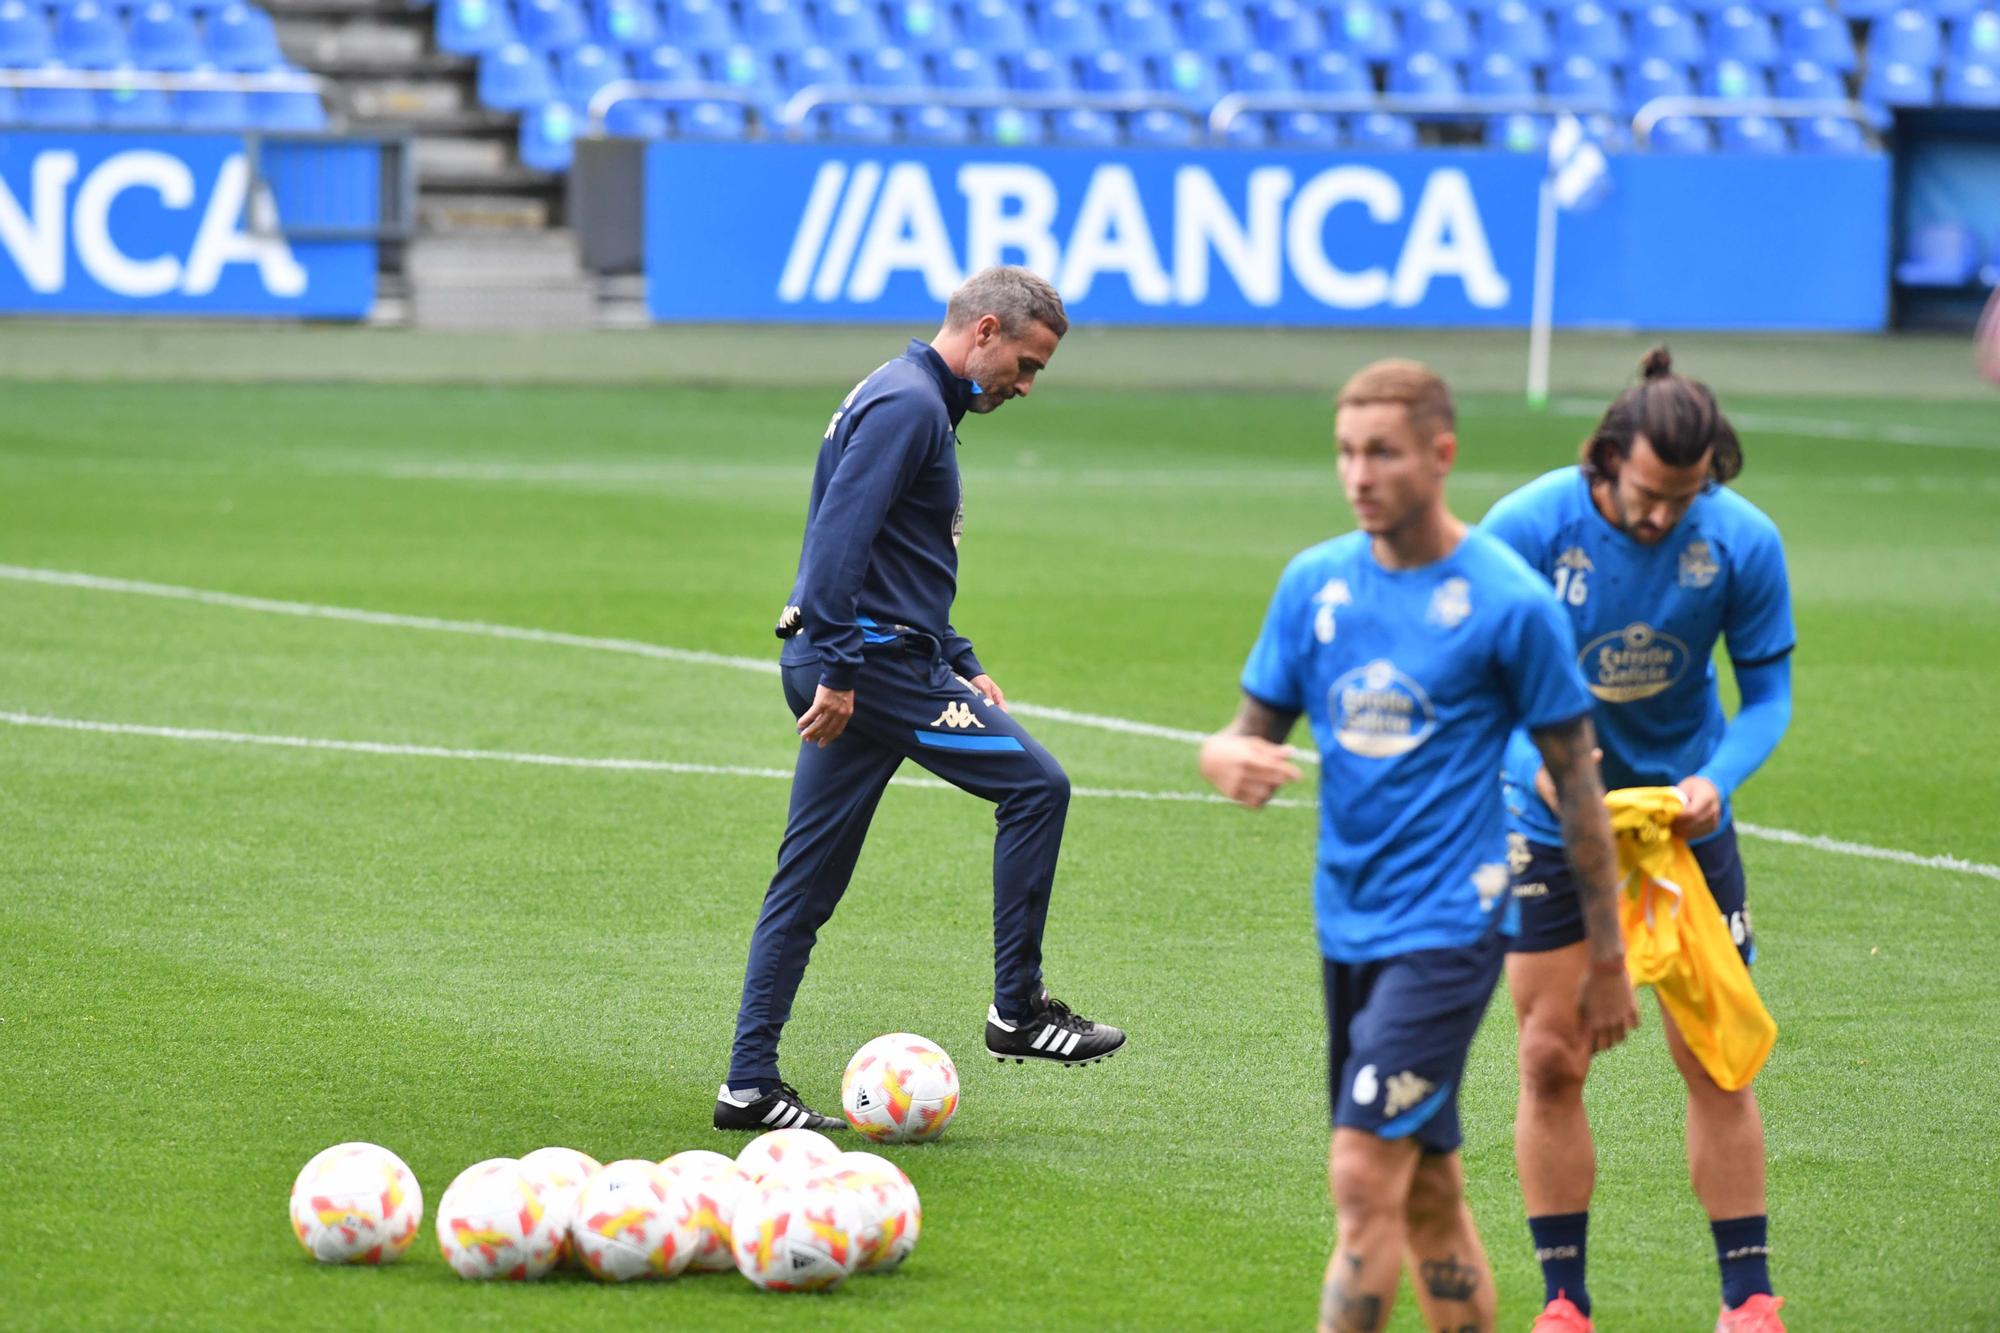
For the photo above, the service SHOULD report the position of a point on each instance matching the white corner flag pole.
(1543, 316)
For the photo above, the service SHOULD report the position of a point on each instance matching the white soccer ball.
(634, 1220)
(718, 1191)
(492, 1223)
(561, 1172)
(798, 1237)
(892, 1216)
(787, 1154)
(356, 1203)
(901, 1088)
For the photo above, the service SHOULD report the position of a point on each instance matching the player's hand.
(827, 718)
(984, 684)
(1703, 811)
(1247, 769)
(1545, 786)
(1606, 1008)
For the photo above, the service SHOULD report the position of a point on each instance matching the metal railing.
(796, 112)
(1233, 105)
(1770, 108)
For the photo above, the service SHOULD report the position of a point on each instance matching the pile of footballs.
(791, 1212)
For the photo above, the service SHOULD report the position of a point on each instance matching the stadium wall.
(821, 233)
(188, 224)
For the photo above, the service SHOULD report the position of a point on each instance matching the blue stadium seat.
(1514, 29)
(1518, 133)
(1582, 84)
(851, 27)
(1589, 29)
(1143, 28)
(636, 118)
(211, 108)
(473, 27)
(89, 36)
(995, 27)
(1866, 9)
(56, 108)
(1666, 32)
(24, 36)
(545, 25)
(163, 37)
(1438, 27)
(745, 68)
(1084, 128)
(131, 108)
(1260, 72)
(1249, 130)
(966, 70)
(1809, 81)
(1892, 83)
(1216, 27)
(889, 67)
(1818, 35)
(515, 78)
(1829, 134)
(1041, 71)
(710, 120)
(1654, 77)
(1682, 134)
(1189, 76)
(1976, 38)
(1753, 134)
(1909, 36)
(1497, 74)
(1940, 254)
(548, 136)
(1307, 129)
(581, 71)
(627, 25)
(1288, 28)
(1159, 129)
(1378, 130)
(696, 25)
(1365, 28)
(1952, 11)
(293, 111)
(1070, 27)
(1010, 127)
(854, 122)
(1111, 72)
(1425, 75)
(242, 38)
(776, 25)
(921, 26)
(811, 65)
(935, 124)
(1735, 80)
(1971, 84)
(1337, 72)
(1741, 33)
(663, 63)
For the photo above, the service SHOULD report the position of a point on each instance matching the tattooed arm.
(1248, 761)
(1569, 752)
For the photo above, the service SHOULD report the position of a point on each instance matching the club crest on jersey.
(1450, 604)
(1380, 712)
(1698, 565)
(1636, 662)
(1329, 599)
(957, 716)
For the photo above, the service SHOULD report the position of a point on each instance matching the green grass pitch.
(218, 958)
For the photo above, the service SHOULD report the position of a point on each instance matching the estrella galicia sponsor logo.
(1381, 712)
(1698, 565)
(1636, 662)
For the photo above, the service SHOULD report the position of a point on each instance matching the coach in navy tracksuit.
(875, 674)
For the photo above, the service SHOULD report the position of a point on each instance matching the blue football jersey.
(1647, 619)
(1412, 681)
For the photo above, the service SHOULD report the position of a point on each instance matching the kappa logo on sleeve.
(957, 716)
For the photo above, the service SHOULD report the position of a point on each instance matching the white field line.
(406, 751)
(1825, 428)
(1125, 726)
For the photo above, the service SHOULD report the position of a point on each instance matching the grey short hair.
(1016, 296)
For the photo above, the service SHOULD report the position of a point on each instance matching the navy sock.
(1743, 1251)
(1559, 1249)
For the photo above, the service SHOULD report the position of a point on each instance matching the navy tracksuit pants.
(908, 704)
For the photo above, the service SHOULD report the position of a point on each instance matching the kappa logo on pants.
(957, 716)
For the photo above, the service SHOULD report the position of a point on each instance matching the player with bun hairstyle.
(1655, 560)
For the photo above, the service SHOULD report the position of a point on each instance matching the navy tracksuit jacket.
(872, 608)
